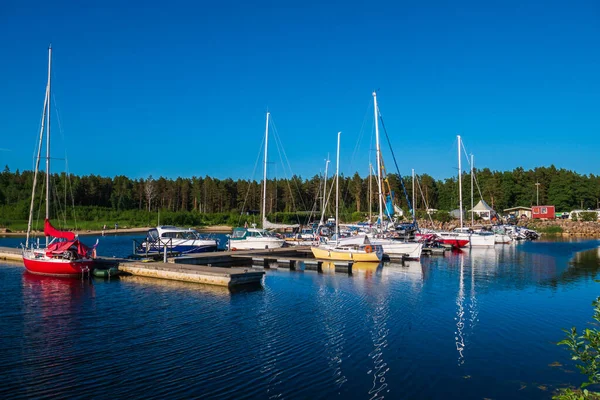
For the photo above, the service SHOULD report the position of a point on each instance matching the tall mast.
(472, 177)
(460, 203)
(264, 203)
(378, 160)
(370, 193)
(48, 139)
(324, 202)
(337, 191)
(37, 168)
(414, 212)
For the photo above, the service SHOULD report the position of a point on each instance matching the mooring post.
(292, 265)
(350, 264)
(165, 255)
(319, 266)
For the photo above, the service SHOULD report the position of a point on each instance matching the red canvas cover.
(60, 247)
(49, 230)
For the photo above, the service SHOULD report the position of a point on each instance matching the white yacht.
(253, 239)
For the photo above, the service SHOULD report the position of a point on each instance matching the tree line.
(562, 188)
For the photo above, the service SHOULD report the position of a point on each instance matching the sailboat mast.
(378, 159)
(414, 213)
(37, 168)
(337, 191)
(370, 193)
(460, 203)
(264, 200)
(48, 139)
(324, 202)
(472, 191)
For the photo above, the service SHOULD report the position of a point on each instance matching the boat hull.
(396, 249)
(456, 243)
(57, 267)
(184, 249)
(323, 253)
(245, 244)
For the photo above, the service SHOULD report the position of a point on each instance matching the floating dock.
(11, 254)
(206, 274)
(225, 268)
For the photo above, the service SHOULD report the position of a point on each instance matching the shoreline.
(120, 231)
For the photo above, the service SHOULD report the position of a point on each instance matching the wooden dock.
(206, 274)
(11, 254)
(230, 277)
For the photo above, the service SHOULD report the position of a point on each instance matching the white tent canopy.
(483, 210)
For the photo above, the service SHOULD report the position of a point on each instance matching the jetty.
(207, 274)
(223, 268)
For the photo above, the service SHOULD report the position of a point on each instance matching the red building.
(543, 212)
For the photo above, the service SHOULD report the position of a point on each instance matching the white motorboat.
(254, 239)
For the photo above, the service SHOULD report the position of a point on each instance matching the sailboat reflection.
(366, 269)
(460, 314)
(467, 313)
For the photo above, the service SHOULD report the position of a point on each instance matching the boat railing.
(154, 248)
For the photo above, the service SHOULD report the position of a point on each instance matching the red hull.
(456, 243)
(57, 267)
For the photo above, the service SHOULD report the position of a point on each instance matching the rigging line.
(328, 196)
(250, 184)
(70, 185)
(361, 134)
(281, 149)
(470, 166)
(290, 187)
(397, 169)
(35, 147)
(423, 197)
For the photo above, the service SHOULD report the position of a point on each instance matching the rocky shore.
(559, 227)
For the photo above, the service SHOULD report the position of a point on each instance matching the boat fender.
(368, 249)
(233, 249)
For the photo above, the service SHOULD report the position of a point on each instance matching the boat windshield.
(238, 233)
(152, 235)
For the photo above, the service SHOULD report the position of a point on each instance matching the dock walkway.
(229, 277)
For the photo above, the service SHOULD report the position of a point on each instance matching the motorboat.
(254, 239)
(176, 240)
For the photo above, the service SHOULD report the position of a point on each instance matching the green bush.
(550, 230)
(589, 216)
(585, 349)
(442, 216)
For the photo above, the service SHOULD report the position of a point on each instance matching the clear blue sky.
(181, 88)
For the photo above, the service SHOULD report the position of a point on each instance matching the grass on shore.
(549, 230)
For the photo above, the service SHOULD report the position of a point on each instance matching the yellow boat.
(353, 249)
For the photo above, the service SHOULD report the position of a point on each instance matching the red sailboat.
(64, 255)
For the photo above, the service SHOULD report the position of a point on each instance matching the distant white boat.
(253, 239)
(399, 249)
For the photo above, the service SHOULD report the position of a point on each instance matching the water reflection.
(379, 335)
(220, 291)
(366, 270)
(52, 325)
(460, 314)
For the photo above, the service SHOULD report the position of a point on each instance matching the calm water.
(471, 325)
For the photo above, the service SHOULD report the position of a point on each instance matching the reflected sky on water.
(472, 324)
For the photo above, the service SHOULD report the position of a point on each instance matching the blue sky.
(181, 88)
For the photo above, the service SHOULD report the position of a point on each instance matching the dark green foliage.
(203, 200)
(585, 350)
(589, 216)
(549, 230)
